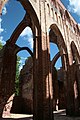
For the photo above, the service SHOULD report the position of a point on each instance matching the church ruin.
(50, 22)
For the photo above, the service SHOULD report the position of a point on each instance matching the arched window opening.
(8, 19)
(76, 57)
(21, 101)
(48, 9)
(77, 29)
(67, 16)
(26, 38)
(52, 13)
(22, 57)
(57, 67)
(27, 41)
(61, 13)
(53, 51)
(57, 78)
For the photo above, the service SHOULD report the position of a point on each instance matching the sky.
(13, 13)
(73, 6)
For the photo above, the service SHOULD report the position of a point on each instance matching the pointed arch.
(56, 35)
(24, 48)
(76, 56)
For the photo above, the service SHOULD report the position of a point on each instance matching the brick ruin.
(50, 22)
(26, 86)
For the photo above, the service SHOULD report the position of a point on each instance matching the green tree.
(1, 46)
(17, 76)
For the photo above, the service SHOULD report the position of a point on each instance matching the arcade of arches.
(50, 22)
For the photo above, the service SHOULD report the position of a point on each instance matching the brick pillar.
(72, 90)
(78, 79)
(70, 93)
(7, 76)
(42, 80)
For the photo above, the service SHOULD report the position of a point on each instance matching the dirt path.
(61, 115)
(58, 115)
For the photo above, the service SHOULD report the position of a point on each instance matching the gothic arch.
(9, 56)
(58, 83)
(24, 48)
(67, 16)
(56, 57)
(76, 75)
(30, 20)
(75, 53)
(57, 38)
(10, 98)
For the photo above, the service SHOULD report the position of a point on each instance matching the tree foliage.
(17, 76)
(1, 46)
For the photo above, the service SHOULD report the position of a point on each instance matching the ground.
(58, 115)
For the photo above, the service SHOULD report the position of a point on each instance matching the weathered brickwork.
(50, 22)
(26, 84)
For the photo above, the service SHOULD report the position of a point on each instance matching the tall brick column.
(42, 79)
(42, 76)
(72, 90)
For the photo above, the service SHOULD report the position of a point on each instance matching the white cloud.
(2, 41)
(79, 24)
(23, 58)
(30, 40)
(1, 38)
(27, 35)
(4, 11)
(0, 20)
(20, 67)
(22, 62)
(74, 6)
(1, 29)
